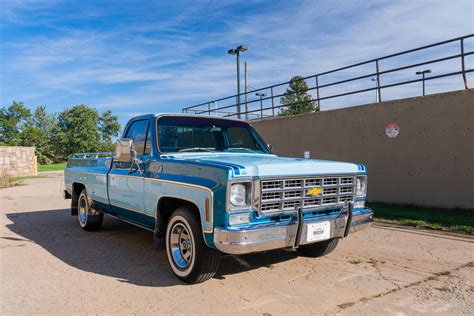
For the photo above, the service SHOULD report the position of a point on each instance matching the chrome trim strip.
(85, 172)
(126, 176)
(157, 116)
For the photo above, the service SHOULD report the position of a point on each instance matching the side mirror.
(123, 150)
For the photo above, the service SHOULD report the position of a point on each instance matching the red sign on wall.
(392, 130)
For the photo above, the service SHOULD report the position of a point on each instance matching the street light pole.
(236, 51)
(423, 73)
(238, 85)
(261, 95)
(246, 92)
(376, 86)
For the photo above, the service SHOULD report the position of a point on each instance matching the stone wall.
(428, 161)
(16, 161)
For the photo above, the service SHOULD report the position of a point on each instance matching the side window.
(137, 133)
(241, 138)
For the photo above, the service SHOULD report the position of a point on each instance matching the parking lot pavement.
(49, 265)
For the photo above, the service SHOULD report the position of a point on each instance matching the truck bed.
(90, 168)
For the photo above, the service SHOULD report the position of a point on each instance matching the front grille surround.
(282, 195)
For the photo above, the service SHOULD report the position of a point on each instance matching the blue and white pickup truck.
(208, 185)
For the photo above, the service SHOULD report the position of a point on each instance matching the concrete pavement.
(51, 266)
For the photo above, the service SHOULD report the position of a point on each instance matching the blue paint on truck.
(244, 198)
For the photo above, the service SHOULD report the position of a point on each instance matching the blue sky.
(136, 57)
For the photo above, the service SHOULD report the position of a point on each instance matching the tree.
(297, 99)
(108, 126)
(78, 130)
(13, 121)
(81, 129)
(47, 130)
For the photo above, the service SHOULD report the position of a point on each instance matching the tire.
(89, 219)
(318, 249)
(188, 255)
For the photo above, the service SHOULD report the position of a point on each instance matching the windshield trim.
(254, 133)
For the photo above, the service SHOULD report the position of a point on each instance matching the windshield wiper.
(241, 148)
(198, 149)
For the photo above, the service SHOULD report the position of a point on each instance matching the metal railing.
(93, 155)
(261, 112)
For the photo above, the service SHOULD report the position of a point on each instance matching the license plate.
(318, 231)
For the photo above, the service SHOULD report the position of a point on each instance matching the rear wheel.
(188, 255)
(89, 219)
(318, 249)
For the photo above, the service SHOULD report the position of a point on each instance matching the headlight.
(361, 187)
(238, 194)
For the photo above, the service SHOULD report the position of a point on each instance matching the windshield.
(201, 134)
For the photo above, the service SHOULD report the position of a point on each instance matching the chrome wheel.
(190, 258)
(89, 219)
(82, 209)
(181, 245)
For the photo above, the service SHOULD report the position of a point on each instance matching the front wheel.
(189, 257)
(89, 219)
(318, 249)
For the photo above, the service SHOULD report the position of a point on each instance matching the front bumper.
(282, 235)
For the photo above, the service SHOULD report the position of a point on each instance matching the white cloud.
(161, 66)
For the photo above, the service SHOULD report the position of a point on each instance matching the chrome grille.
(345, 198)
(345, 190)
(290, 205)
(270, 207)
(271, 185)
(271, 196)
(281, 195)
(292, 194)
(329, 191)
(348, 180)
(330, 181)
(292, 183)
(310, 202)
(313, 182)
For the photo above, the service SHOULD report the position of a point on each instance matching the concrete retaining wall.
(430, 163)
(16, 161)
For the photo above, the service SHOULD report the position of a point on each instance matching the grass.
(6, 182)
(431, 218)
(52, 167)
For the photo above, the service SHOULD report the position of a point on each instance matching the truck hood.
(262, 165)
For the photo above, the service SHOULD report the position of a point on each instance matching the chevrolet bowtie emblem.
(314, 191)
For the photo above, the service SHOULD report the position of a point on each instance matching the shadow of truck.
(118, 250)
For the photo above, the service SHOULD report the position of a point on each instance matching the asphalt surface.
(49, 265)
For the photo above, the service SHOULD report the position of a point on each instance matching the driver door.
(126, 181)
